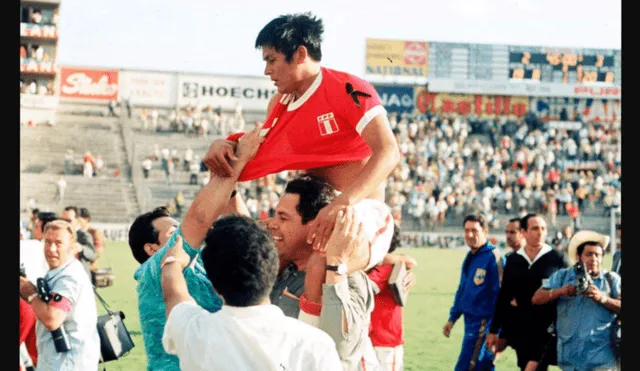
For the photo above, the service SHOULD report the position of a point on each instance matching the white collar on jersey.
(545, 249)
(307, 94)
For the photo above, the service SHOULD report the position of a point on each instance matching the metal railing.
(142, 191)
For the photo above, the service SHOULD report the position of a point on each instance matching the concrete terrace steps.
(102, 196)
(81, 128)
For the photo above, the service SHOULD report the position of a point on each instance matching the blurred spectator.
(154, 120)
(84, 220)
(61, 186)
(146, 167)
(99, 165)
(188, 157)
(112, 108)
(180, 203)
(88, 165)
(36, 16)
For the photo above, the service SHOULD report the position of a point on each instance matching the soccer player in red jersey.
(387, 330)
(329, 123)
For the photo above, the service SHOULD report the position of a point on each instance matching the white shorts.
(390, 358)
(378, 225)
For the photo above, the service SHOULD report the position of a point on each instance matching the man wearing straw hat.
(585, 322)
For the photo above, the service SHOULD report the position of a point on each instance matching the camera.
(583, 279)
(59, 335)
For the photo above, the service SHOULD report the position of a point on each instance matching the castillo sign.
(397, 58)
(464, 104)
(86, 83)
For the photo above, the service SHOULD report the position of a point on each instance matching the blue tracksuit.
(476, 299)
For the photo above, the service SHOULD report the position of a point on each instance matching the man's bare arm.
(385, 157)
(214, 197)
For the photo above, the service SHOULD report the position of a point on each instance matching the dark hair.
(288, 32)
(514, 220)
(35, 211)
(142, 232)
(46, 217)
(524, 222)
(314, 194)
(241, 260)
(84, 213)
(476, 218)
(395, 239)
(581, 247)
(72, 208)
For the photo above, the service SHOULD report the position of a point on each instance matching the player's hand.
(492, 341)
(446, 330)
(177, 251)
(323, 225)
(218, 157)
(409, 281)
(569, 290)
(348, 234)
(408, 261)
(495, 344)
(24, 282)
(249, 143)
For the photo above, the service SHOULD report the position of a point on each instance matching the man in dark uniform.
(515, 241)
(477, 293)
(527, 325)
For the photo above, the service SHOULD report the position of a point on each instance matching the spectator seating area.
(109, 194)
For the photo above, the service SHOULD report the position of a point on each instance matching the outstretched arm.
(214, 197)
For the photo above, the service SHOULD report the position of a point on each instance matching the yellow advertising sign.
(397, 58)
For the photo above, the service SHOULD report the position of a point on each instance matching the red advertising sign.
(597, 92)
(464, 104)
(85, 83)
(415, 52)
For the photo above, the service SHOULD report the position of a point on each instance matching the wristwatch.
(31, 297)
(169, 260)
(340, 269)
(604, 299)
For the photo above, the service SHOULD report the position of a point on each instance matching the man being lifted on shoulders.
(329, 123)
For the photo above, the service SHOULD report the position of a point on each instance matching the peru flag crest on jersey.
(327, 124)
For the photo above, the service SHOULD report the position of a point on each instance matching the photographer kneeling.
(64, 305)
(588, 306)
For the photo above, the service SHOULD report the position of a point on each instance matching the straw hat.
(581, 237)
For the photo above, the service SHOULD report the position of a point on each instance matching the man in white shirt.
(32, 251)
(71, 309)
(248, 333)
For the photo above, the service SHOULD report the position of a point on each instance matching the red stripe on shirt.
(381, 230)
(235, 136)
(309, 307)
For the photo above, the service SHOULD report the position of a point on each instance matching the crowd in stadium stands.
(453, 165)
(36, 87)
(193, 121)
(89, 166)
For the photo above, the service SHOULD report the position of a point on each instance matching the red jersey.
(386, 319)
(321, 128)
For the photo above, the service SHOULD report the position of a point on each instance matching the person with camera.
(64, 304)
(589, 301)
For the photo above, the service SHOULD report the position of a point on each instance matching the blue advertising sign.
(396, 98)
